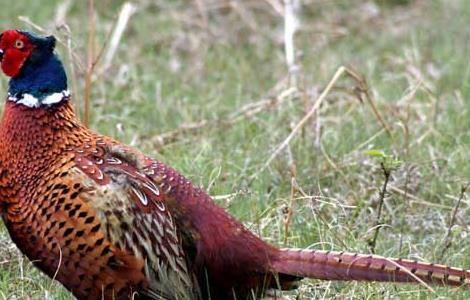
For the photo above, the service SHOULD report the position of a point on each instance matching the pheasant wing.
(133, 215)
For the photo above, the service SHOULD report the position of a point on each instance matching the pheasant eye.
(19, 44)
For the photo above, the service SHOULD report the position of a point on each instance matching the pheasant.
(109, 222)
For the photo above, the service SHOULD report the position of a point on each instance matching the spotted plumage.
(111, 223)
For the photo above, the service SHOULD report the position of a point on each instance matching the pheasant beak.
(1, 55)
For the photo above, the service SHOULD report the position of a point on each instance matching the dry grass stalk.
(61, 12)
(73, 71)
(421, 282)
(291, 24)
(303, 121)
(293, 189)
(127, 10)
(28, 21)
(276, 5)
(243, 113)
(245, 15)
(364, 89)
(90, 60)
(203, 13)
(42, 30)
(289, 210)
(414, 200)
(324, 218)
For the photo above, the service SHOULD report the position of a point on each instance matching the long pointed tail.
(332, 265)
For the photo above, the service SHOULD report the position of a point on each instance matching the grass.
(170, 69)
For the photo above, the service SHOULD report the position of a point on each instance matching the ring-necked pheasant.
(111, 223)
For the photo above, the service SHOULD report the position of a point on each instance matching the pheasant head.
(37, 75)
(38, 120)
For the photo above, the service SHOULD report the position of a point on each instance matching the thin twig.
(448, 237)
(383, 192)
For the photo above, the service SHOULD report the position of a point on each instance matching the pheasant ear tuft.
(51, 41)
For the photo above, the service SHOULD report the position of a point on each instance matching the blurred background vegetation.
(204, 86)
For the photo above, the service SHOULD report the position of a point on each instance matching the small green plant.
(388, 162)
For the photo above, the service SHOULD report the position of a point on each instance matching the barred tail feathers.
(332, 265)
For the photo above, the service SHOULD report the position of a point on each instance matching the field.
(204, 86)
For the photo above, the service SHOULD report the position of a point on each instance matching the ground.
(219, 69)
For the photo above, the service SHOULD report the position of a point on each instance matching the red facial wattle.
(16, 50)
